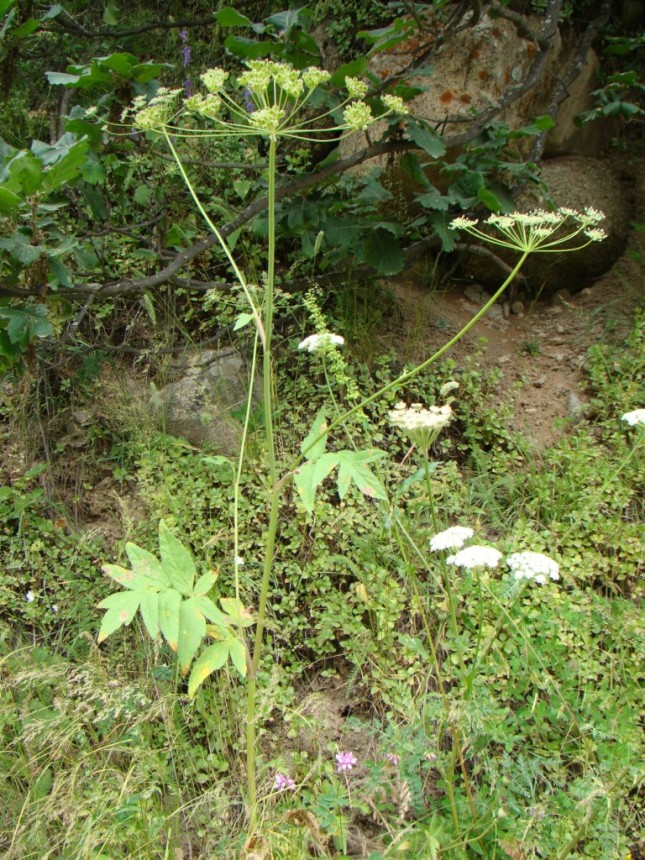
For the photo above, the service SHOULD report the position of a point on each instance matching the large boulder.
(472, 70)
(575, 183)
(197, 405)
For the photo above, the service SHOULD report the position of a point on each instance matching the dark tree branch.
(68, 24)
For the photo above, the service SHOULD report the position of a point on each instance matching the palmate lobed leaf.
(177, 561)
(169, 603)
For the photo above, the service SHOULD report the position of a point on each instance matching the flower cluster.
(155, 113)
(422, 425)
(538, 230)
(263, 100)
(476, 556)
(634, 418)
(282, 782)
(534, 566)
(452, 538)
(321, 341)
(345, 761)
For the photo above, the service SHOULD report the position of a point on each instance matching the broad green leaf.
(318, 429)
(66, 168)
(433, 199)
(120, 62)
(169, 603)
(354, 69)
(177, 560)
(425, 138)
(205, 583)
(237, 650)
(441, 225)
(229, 17)
(383, 252)
(146, 563)
(25, 29)
(387, 37)
(26, 323)
(61, 275)
(149, 608)
(209, 661)
(310, 475)
(242, 320)
(142, 194)
(25, 172)
(52, 12)
(9, 201)
(5, 5)
(192, 629)
(63, 78)
(20, 249)
(111, 13)
(248, 49)
(353, 468)
(121, 609)
(237, 612)
(489, 200)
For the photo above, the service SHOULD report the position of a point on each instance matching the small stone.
(517, 307)
(475, 294)
(560, 329)
(495, 312)
(555, 310)
(563, 295)
(539, 382)
(575, 406)
(504, 359)
(506, 310)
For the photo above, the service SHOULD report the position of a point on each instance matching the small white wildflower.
(634, 418)
(214, 79)
(358, 116)
(356, 88)
(395, 104)
(54, 608)
(452, 538)
(533, 565)
(239, 561)
(595, 234)
(30, 597)
(421, 424)
(320, 341)
(462, 223)
(595, 216)
(476, 556)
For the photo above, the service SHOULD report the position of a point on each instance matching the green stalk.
(274, 499)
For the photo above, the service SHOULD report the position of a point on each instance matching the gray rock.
(197, 406)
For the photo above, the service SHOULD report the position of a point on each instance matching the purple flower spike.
(249, 104)
(188, 88)
(345, 761)
(282, 782)
(392, 758)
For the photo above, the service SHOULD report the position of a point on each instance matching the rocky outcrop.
(197, 406)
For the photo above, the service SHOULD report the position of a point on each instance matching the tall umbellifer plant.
(271, 100)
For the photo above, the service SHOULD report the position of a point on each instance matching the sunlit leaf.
(209, 661)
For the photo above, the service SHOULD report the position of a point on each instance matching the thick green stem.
(274, 500)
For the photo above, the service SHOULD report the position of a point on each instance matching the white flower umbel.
(321, 341)
(634, 418)
(533, 565)
(538, 230)
(422, 424)
(452, 538)
(476, 556)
